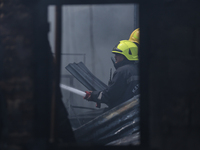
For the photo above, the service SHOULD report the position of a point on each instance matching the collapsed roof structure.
(120, 123)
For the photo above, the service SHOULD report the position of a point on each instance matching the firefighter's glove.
(88, 95)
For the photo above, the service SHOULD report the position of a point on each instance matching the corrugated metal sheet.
(84, 76)
(121, 121)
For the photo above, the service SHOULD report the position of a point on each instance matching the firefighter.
(135, 38)
(125, 81)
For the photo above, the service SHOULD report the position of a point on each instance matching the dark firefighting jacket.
(123, 86)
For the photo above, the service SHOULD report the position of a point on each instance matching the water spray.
(73, 90)
(86, 94)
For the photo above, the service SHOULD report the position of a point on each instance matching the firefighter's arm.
(90, 96)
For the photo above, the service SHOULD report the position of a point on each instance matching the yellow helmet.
(135, 36)
(128, 49)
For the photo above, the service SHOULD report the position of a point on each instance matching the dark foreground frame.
(41, 30)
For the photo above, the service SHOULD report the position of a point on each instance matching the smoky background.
(89, 32)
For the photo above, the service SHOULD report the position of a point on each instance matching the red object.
(87, 95)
